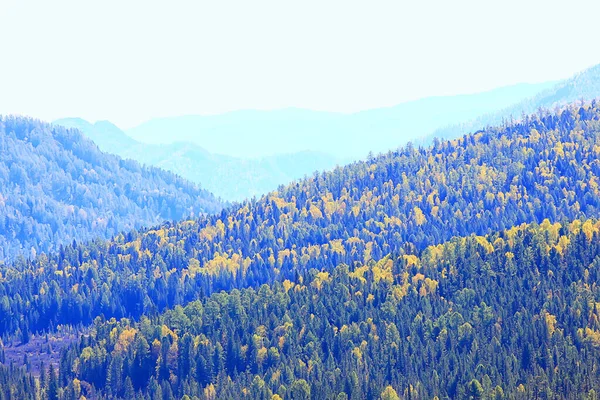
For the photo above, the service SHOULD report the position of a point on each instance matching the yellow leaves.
(544, 170)
(383, 270)
(271, 260)
(590, 335)
(261, 331)
(562, 244)
(550, 322)
(165, 331)
(559, 149)
(223, 262)
(86, 354)
(359, 273)
(282, 255)
(552, 229)
(418, 216)
(279, 202)
(125, 339)
(428, 286)
(418, 277)
(276, 376)
(458, 215)
(315, 212)
(192, 269)
(287, 285)
(393, 221)
(431, 199)
(501, 198)
(433, 254)
(261, 355)
(400, 291)
(534, 136)
(588, 229)
(156, 346)
(337, 247)
(281, 342)
(411, 260)
(210, 393)
(330, 207)
(485, 244)
(389, 394)
(77, 387)
(300, 288)
(322, 277)
(209, 233)
(220, 228)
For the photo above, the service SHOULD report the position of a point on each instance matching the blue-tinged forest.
(467, 269)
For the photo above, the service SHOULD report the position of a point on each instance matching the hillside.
(347, 284)
(258, 134)
(512, 315)
(231, 178)
(582, 86)
(57, 187)
(543, 167)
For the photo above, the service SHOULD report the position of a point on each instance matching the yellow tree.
(389, 394)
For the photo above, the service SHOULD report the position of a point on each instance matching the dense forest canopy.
(545, 167)
(510, 315)
(56, 187)
(464, 270)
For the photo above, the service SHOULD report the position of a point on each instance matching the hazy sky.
(129, 61)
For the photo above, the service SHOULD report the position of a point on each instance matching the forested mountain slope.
(583, 86)
(231, 178)
(56, 187)
(544, 167)
(513, 315)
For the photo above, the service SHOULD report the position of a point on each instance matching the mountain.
(491, 317)
(256, 134)
(467, 269)
(584, 86)
(544, 167)
(244, 154)
(231, 178)
(56, 186)
(106, 135)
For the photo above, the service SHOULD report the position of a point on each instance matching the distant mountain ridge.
(56, 186)
(254, 134)
(230, 178)
(248, 153)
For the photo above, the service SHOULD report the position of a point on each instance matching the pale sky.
(129, 61)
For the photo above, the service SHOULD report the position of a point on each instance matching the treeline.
(515, 315)
(544, 167)
(56, 186)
